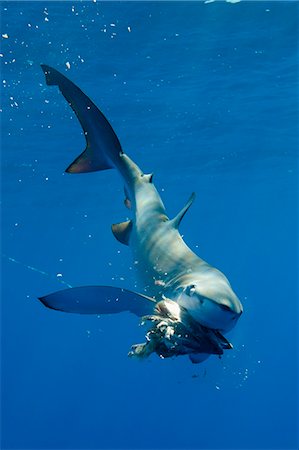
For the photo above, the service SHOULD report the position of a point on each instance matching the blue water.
(205, 95)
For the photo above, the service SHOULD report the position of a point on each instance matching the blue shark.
(187, 304)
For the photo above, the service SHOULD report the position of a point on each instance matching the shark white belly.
(188, 302)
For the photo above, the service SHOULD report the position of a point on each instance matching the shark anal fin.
(122, 231)
(102, 144)
(99, 300)
(178, 218)
(127, 201)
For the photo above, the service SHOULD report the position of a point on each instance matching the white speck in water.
(59, 275)
(217, 387)
(5, 36)
(129, 29)
(68, 65)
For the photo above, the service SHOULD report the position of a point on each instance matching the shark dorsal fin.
(122, 231)
(148, 177)
(178, 218)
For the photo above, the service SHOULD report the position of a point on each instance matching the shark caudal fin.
(99, 300)
(102, 144)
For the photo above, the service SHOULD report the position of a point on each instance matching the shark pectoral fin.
(178, 218)
(122, 231)
(99, 300)
(102, 144)
(197, 358)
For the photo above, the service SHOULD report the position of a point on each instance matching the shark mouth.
(173, 335)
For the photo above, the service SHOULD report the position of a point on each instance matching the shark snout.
(219, 316)
(220, 313)
(235, 309)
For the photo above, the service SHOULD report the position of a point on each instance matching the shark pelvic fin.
(102, 144)
(178, 218)
(99, 300)
(122, 231)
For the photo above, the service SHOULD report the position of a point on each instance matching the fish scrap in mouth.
(169, 336)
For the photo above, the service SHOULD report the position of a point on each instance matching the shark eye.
(190, 290)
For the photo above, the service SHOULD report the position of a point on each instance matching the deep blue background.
(206, 97)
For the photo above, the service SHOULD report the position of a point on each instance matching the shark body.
(188, 303)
